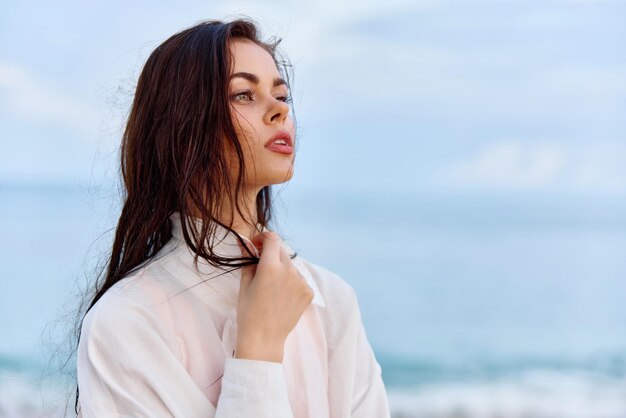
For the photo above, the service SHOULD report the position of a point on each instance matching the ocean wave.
(533, 394)
(23, 395)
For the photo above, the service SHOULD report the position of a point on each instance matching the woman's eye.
(247, 93)
(248, 96)
(286, 99)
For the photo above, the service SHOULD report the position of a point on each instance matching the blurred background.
(462, 164)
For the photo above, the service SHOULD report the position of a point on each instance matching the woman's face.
(259, 112)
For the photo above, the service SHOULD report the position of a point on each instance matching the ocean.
(477, 304)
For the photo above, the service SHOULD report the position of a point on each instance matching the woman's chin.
(282, 181)
(281, 178)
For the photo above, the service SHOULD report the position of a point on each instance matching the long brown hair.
(174, 151)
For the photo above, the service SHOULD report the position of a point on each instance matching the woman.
(204, 311)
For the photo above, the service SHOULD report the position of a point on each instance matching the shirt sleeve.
(369, 398)
(127, 368)
(253, 388)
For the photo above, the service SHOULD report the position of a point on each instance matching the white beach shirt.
(160, 343)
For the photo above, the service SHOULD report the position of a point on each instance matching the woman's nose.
(277, 112)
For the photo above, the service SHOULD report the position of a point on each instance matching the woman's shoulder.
(125, 300)
(137, 296)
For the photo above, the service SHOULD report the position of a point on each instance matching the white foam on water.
(23, 396)
(537, 394)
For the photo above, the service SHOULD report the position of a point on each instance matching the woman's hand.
(272, 298)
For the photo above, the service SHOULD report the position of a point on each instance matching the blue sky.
(497, 96)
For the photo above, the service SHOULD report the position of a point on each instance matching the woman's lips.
(280, 142)
(281, 148)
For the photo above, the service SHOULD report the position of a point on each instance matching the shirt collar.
(225, 244)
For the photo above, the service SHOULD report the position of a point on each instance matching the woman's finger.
(284, 256)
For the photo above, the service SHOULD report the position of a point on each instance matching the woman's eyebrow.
(254, 79)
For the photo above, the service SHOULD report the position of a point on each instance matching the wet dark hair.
(175, 148)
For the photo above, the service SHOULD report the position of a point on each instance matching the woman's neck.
(239, 224)
(228, 214)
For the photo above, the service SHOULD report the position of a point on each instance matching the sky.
(399, 96)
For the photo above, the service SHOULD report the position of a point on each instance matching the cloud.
(509, 163)
(514, 164)
(476, 63)
(24, 95)
(602, 168)
(597, 83)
